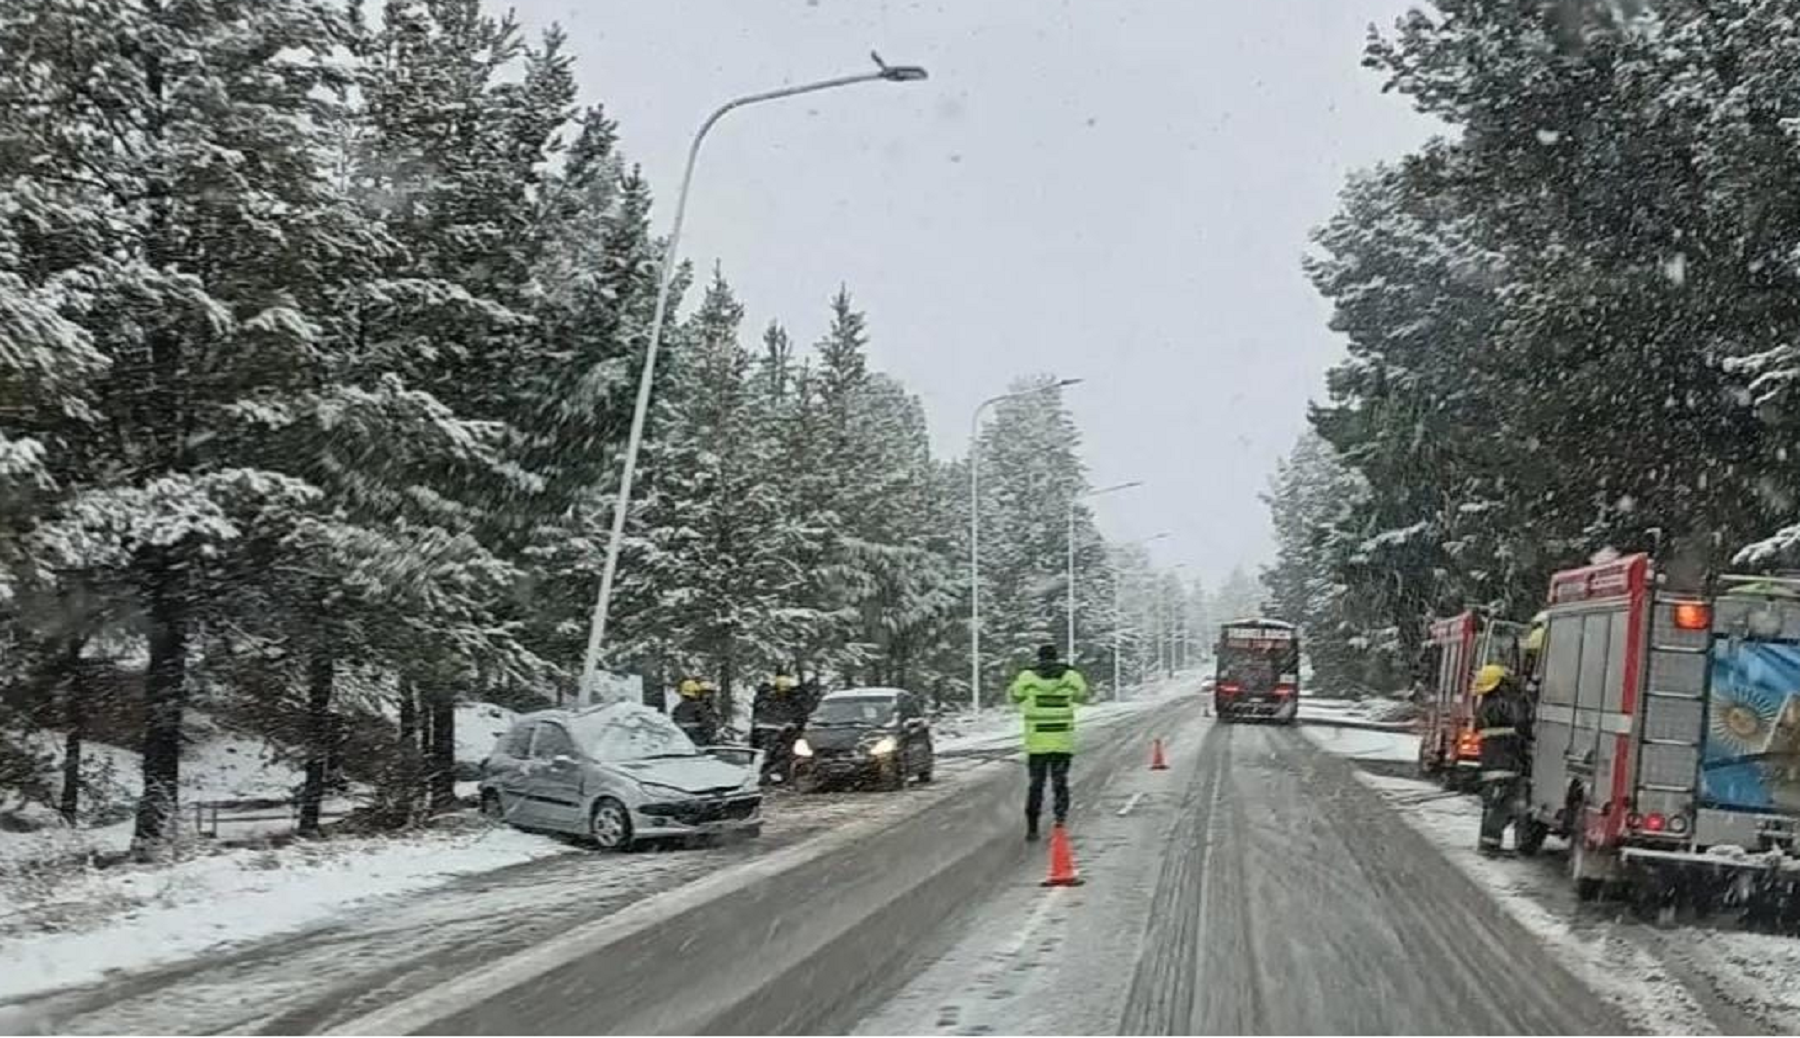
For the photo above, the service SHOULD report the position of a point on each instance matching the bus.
(1258, 671)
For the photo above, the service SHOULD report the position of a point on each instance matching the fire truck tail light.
(1228, 688)
(1692, 616)
(1678, 823)
(1284, 690)
(1654, 822)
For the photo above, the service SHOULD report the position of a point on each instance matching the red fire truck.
(1666, 735)
(1449, 747)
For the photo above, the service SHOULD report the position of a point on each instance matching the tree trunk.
(651, 687)
(727, 678)
(409, 716)
(165, 699)
(75, 717)
(443, 749)
(320, 672)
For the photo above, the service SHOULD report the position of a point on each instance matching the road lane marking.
(1129, 804)
(1036, 919)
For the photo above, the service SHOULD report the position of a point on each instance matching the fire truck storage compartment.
(1581, 723)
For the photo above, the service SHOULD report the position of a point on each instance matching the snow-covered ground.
(1364, 744)
(166, 912)
(217, 764)
(1320, 709)
(1679, 980)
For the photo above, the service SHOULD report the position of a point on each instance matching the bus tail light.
(1283, 691)
(1229, 688)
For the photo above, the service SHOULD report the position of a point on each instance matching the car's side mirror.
(563, 760)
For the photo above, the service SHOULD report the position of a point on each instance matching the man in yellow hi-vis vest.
(1047, 695)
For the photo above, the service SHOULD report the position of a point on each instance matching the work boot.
(1031, 829)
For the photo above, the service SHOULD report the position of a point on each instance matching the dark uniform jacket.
(1504, 722)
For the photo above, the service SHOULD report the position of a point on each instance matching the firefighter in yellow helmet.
(1503, 719)
(697, 714)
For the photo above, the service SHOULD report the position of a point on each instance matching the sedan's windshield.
(856, 710)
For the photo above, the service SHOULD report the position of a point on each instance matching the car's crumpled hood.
(703, 774)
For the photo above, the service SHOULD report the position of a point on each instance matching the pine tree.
(205, 214)
(1031, 471)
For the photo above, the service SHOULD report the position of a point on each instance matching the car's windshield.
(854, 710)
(628, 732)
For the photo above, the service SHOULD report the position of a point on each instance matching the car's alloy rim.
(608, 826)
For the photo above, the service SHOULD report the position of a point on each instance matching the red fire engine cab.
(1449, 746)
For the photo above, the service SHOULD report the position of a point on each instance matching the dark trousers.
(1056, 766)
(1499, 798)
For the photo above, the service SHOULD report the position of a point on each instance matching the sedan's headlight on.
(801, 748)
(883, 746)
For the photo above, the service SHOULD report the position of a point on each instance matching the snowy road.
(1255, 887)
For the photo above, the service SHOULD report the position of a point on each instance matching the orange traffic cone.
(1157, 763)
(1062, 860)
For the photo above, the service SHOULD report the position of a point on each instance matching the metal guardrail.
(210, 814)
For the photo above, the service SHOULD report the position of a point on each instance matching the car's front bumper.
(838, 767)
(698, 816)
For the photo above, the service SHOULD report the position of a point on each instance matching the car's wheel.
(491, 808)
(610, 825)
(893, 774)
(925, 772)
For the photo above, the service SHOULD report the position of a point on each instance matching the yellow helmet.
(1488, 678)
(690, 688)
(784, 683)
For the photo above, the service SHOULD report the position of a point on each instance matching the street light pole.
(1119, 618)
(1069, 647)
(975, 531)
(590, 664)
(1167, 635)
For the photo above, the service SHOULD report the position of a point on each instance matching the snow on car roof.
(870, 693)
(626, 731)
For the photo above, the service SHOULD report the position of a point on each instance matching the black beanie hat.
(1046, 654)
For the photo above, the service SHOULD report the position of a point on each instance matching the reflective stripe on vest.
(1050, 701)
(1050, 726)
(1490, 732)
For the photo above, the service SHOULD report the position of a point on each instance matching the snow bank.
(478, 727)
(1364, 744)
(217, 763)
(130, 917)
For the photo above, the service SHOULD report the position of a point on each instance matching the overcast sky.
(1117, 190)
